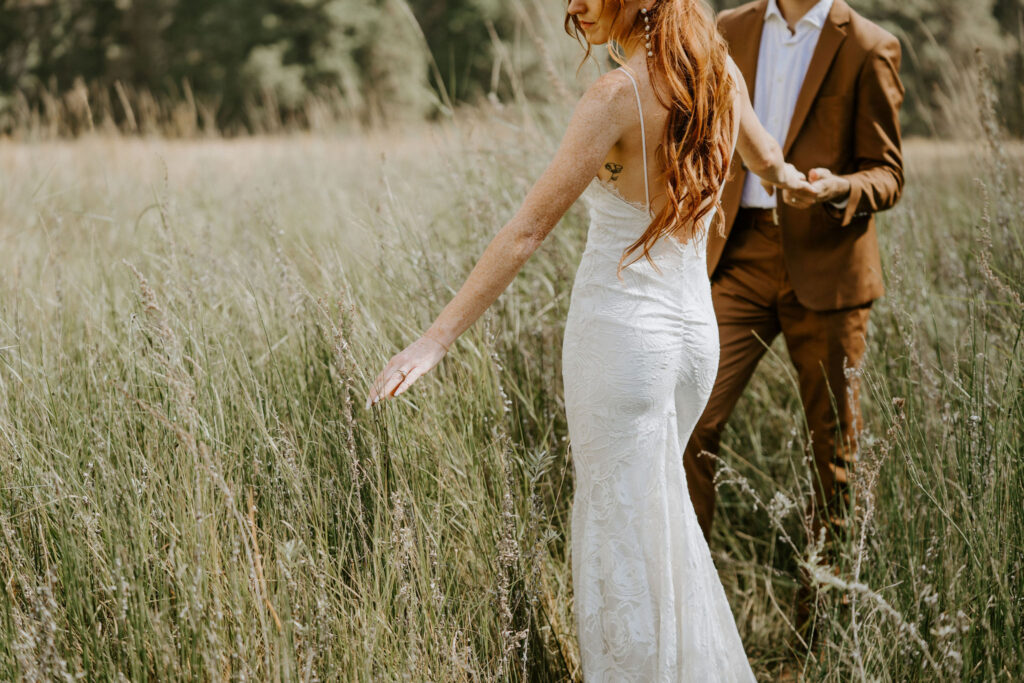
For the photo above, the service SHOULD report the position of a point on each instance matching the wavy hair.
(690, 76)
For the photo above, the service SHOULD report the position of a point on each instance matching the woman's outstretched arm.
(597, 123)
(760, 152)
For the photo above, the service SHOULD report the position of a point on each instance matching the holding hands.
(824, 186)
(763, 156)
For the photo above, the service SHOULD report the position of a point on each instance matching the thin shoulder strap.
(643, 136)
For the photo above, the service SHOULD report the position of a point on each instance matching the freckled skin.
(603, 135)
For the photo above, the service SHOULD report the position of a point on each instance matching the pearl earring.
(647, 31)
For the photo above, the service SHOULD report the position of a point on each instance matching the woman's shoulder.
(611, 95)
(738, 82)
(611, 87)
(732, 68)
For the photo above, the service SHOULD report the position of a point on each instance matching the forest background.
(183, 67)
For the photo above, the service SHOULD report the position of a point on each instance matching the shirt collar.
(816, 16)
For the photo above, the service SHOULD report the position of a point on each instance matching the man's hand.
(825, 186)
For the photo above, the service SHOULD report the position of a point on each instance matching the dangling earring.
(647, 31)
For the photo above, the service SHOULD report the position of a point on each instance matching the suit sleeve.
(877, 183)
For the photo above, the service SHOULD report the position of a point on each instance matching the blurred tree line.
(237, 65)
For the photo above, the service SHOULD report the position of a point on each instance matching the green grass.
(192, 489)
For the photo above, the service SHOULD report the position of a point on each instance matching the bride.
(640, 350)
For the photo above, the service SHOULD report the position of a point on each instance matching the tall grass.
(192, 489)
(120, 109)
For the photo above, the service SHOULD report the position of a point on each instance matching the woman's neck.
(631, 47)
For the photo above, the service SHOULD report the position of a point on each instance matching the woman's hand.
(789, 179)
(405, 368)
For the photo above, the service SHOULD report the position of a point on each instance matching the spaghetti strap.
(643, 136)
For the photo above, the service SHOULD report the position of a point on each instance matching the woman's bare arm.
(760, 152)
(597, 123)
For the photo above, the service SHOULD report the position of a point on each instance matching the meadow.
(192, 489)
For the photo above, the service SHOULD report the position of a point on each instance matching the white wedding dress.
(639, 360)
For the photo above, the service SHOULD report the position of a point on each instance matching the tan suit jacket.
(846, 120)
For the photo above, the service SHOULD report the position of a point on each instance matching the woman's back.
(624, 165)
(638, 150)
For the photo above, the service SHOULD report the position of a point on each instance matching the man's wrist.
(840, 194)
(841, 191)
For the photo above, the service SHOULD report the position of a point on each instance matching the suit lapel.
(745, 43)
(833, 33)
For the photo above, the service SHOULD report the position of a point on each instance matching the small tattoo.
(614, 169)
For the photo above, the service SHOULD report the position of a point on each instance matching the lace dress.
(639, 360)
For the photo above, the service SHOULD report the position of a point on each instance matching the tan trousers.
(754, 302)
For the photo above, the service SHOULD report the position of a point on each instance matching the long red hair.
(690, 76)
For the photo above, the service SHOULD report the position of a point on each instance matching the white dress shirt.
(782, 64)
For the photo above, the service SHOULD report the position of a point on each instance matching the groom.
(825, 81)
